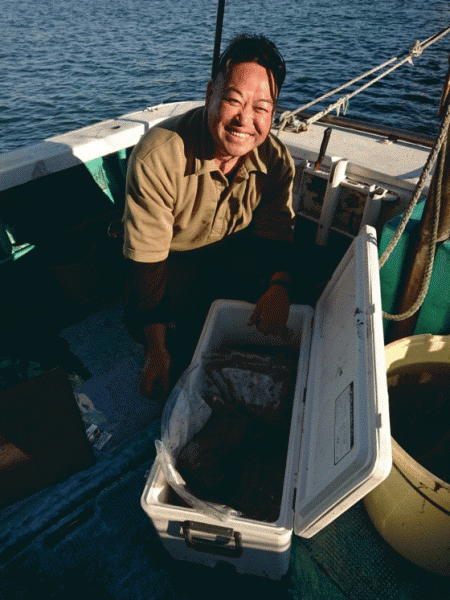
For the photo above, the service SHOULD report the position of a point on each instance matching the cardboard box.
(339, 443)
(42, 436)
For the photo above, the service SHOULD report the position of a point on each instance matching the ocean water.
(66, 64)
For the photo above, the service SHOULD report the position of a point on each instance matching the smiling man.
(209, 214)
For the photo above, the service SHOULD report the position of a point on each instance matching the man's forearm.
(155, 335)
(143, 300)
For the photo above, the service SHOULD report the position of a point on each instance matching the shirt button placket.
(218, 218)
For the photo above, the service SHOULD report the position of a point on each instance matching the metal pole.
(219, 24)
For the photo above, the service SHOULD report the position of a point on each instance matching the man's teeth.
(239, 135)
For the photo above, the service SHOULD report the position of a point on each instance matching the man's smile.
(238, 133)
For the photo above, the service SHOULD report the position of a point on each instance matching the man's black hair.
(253, 48)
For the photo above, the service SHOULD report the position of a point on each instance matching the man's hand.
(155, 373)
(272, 310)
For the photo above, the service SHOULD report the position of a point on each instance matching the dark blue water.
(69, 63)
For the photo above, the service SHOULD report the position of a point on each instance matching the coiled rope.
(441, 143)
(288, 117)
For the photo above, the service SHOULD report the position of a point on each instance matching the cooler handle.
(224, 535)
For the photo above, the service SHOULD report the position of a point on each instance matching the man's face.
(240, 107)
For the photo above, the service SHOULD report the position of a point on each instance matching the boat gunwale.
(101, 139)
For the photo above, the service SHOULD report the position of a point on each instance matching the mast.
(218, 39)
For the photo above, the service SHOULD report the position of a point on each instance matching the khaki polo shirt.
(178, 199)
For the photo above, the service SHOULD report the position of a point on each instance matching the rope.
(416, 50)
(419, 188)
(336, 90)
(441, 142)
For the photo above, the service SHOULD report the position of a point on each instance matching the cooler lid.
(345, 448)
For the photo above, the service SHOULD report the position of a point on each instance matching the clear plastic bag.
(184, 414)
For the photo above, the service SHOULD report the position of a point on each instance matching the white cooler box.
(339, 442)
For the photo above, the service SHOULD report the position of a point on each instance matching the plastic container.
(339, 442)
(411, 508)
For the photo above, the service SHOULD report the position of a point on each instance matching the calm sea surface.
(66, 64)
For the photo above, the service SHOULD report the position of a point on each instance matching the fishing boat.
(71, 520)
